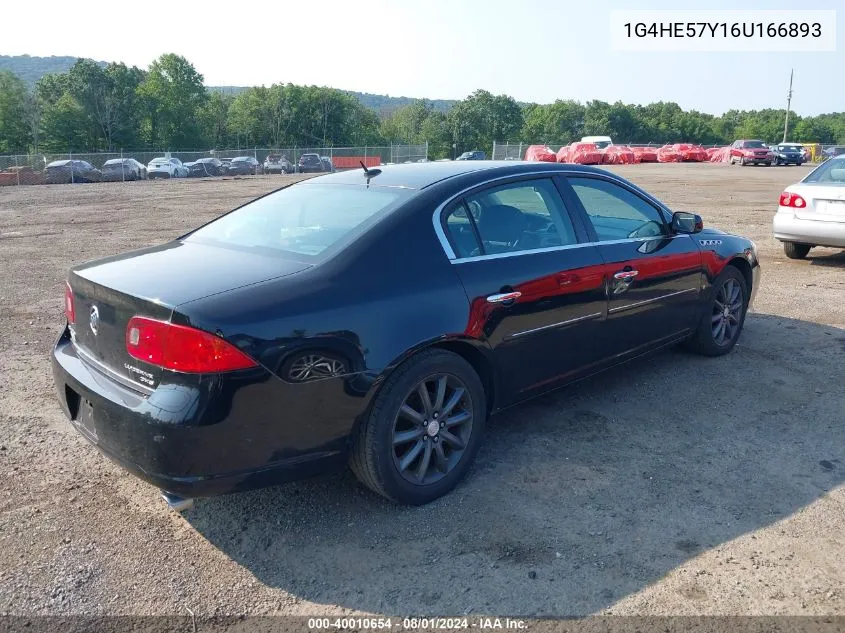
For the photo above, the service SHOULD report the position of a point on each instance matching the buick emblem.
(94, 320)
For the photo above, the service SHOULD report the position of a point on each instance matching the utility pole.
(788, 104)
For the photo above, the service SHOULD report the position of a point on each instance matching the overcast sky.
(533, 50)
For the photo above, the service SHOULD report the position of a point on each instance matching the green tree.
(558, 123)
(64, 125)
(482, 118)
(14, 128)
(171, 96)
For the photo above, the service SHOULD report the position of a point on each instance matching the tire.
(376, 456)
(742, 162)
(795, 250)
(709, 339)
(768, 164)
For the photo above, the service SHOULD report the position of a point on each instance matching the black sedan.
(244, 166)
(205, 167)
(788, 154)
(72, 171)
(378, 317)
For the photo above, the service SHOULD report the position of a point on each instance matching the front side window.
(615, 212)
(516, 217)
(305, 219)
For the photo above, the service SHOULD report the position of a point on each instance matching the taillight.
(182, 348)
(792, 200)
(69, 312)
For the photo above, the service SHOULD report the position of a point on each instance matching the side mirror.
(683, 222)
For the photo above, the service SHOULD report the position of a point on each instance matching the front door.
(536, 287)
(654, 277)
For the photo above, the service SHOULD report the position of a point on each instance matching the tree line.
(166, 106)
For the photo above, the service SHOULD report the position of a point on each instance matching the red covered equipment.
(668, 154)
(619, 155)
(541, 153)
(645, 154)
(719, 154)
(581, 154)
(691, 153)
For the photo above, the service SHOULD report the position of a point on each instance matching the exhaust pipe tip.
(177, 503)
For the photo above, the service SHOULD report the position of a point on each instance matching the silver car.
(812, 212)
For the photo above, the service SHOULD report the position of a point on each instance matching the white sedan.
(812, 212)
(166, 168)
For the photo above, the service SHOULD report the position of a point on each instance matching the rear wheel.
(794, 250)
(423, 430)
(723, 316)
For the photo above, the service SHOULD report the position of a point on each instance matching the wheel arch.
(741, 264)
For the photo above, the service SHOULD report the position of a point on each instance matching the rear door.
(535, 285)
(654, 276)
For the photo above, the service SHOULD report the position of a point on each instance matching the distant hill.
(31, 69)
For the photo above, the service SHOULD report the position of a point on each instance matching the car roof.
(422, 175)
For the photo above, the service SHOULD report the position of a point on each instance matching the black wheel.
(794, 250)
(723, 315)
(768, 163)
(423, 429)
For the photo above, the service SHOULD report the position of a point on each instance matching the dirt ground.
(677, 485)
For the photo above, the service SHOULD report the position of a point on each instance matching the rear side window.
(517, 217)
(615, 212)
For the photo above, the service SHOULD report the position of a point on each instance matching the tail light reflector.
(69, 312)
(792, 200)
(182, 348)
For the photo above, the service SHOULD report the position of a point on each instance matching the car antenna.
(369, 173)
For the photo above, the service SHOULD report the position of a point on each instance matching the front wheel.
(793, 250)
(423, 429)
(723, 315)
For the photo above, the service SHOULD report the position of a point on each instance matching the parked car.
(601, 142)
(831, 152)
(812, 212)
(118, 169)
(751, 152)
(328, 165)
(788, 154)
(278, 164)
(166, 168)
(65, 171)
(224, 165)
(474, 155)
(246, 353)
(244, 166)
(205, 167)
(310, 164)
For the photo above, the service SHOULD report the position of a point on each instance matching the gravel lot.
(676, 485)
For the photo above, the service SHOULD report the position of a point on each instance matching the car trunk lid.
(825, 203)
(152, 282)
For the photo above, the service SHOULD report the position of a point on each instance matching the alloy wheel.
(727, 312)
(432, 429)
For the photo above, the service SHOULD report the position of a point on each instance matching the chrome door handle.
(626, 274)
(504, 297)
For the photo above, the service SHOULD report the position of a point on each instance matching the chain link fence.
(31, 169)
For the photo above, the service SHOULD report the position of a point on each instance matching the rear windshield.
(753, 144)
(830, 172)
(601, 144)
(305, 219)
(240, 159)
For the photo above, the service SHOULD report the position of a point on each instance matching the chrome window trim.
(551, 249)
(595, 315)
(108, 372)
(647, 301)
(437, 216)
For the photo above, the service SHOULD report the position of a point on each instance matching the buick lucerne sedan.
(377, 317)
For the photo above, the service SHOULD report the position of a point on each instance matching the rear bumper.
(222, 434)
(788, 228)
